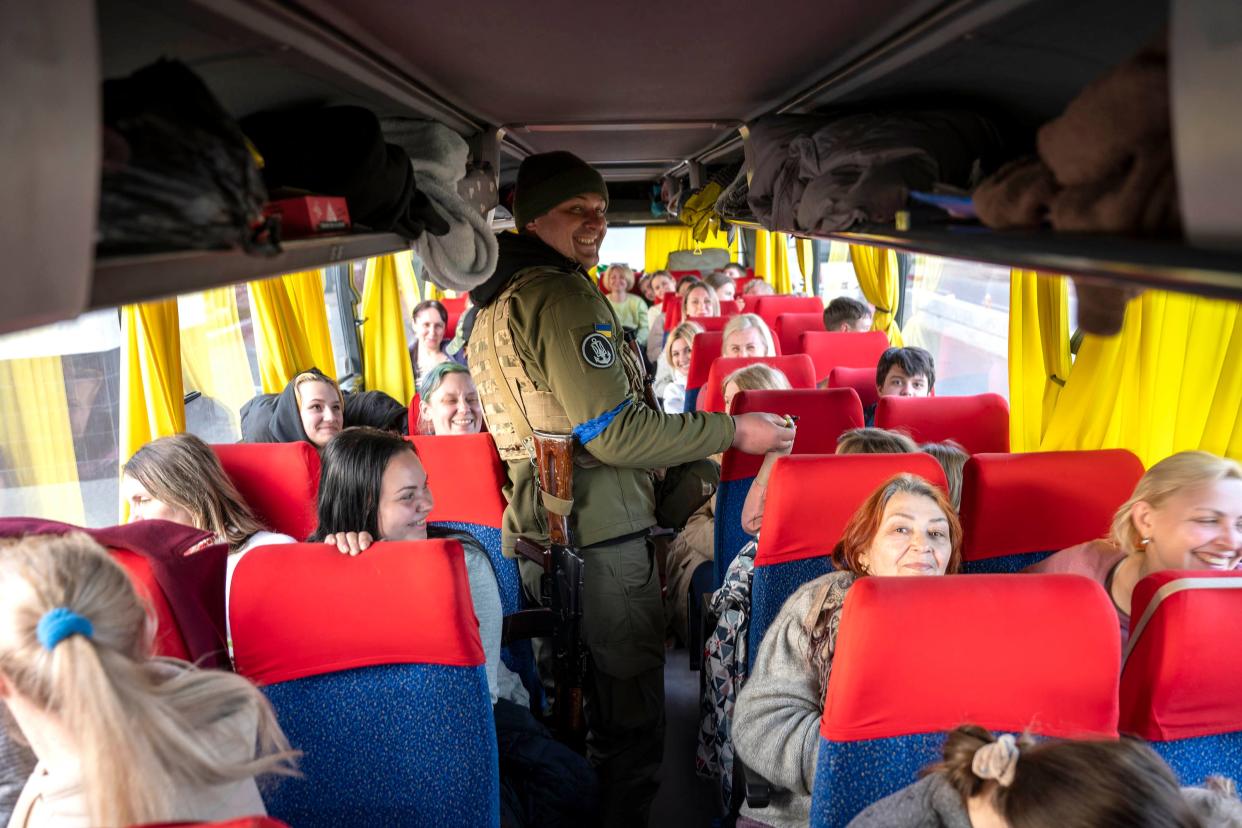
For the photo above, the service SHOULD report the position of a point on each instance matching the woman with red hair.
(905, 528)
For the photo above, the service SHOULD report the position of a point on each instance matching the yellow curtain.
(152, 393)
(772, 260)
(39, 467)
(213, 353)
(1039, 358)
(661, 240)
(385, 355)
(281, 344)
(806, 261)
(877, 272)
(306, 295)
(1167, 383)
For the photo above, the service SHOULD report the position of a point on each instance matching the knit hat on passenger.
(547, 179)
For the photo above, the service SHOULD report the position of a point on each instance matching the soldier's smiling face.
(574, 228)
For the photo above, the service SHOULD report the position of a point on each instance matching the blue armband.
(591, 429)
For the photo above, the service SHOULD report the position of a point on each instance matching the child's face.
(899, 384)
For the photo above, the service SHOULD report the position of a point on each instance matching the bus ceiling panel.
(627, 144)
(126, 279)
(258, 54)
(562, 60)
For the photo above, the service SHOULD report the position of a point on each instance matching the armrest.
(524, 624)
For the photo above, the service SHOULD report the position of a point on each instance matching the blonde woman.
(121, 738)
(631, 309)
(699, 300)
(309, 408)
(676, 358)
(1185, 513)
(757, 377)
(747, 335)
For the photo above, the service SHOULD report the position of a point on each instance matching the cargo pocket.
(623, 614)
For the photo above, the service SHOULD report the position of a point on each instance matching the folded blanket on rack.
(465, 256)
(1019, 194)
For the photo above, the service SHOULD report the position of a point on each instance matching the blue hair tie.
(58, 624)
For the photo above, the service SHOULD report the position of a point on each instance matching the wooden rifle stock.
(554, 458)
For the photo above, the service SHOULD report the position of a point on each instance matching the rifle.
(562, 582)
(649, 397)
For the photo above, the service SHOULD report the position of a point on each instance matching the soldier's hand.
(756, 433)
(350, 543)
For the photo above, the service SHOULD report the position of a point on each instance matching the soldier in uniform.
(547, 354)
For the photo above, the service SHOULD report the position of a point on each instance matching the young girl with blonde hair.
(121, 738)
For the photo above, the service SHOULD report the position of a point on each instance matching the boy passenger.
(902, 372)
(846, 315)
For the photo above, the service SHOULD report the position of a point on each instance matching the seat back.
(672, 311)
(455, 307)
(706, 350)
(168, 638)
(1019, 508)
(844, 350)
(770, 307)
(375, 669)
(278, 481)
(797, 369)
(240, 822)
(467, 480)
(980, 422)
(916, 657)
(862, 380)
(710, 323)
(790, 327)
(1179, 685)
(822, 416)
(810, 500)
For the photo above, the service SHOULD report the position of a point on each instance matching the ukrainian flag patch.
(605, 329)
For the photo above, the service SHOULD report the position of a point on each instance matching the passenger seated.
(630, 309)
(310, 408)
(673, 369)
(902, 372)
(121, 738)
(428, 350)
(373, 487)
(734, 271)
(699, 300)
(905, 528)
(180, 479)
(747, 335)
(725, 287)
(952, 458)
(377, 410)
(449, 402)
(847, 315)
(1185, 513)
(757, 287)
(696, 543)
(660, 285)
(989, 781)
(875, 441)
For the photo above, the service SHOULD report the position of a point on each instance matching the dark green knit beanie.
(547, 179)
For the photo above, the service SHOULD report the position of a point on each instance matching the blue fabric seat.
(375, 669)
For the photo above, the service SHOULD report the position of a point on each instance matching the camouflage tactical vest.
(514, 407)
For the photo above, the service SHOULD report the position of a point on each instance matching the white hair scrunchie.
(997, 760)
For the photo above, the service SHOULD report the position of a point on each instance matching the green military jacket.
(567, 336)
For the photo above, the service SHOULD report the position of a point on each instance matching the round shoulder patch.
(597, 350)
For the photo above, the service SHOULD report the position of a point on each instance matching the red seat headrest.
(278, 481)
(705, 350)
(710, 323)
(1182, 673)
(822, 417)
(811, 498)
(790, 327)
(455, 307)
(672, 311)
(797, 369)
(862, 380)
(168, 639)
(678, 275)
(303, 609)
(1007, 652)
(770, 307)
(980, 422)
(412, 415)
(466, 476)
(1042, 501)
(831, 350)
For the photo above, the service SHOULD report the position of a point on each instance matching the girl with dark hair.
(905, 528)
(987, 781)
(430, 323)
(377, 410)
(372, 486)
